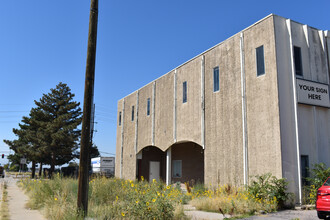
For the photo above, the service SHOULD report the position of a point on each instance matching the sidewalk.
(194, 214)
(17, 200)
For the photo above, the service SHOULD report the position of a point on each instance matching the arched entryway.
(187, 163)
(182, 162)
(151, 164)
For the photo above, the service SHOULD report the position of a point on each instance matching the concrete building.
(255, 103)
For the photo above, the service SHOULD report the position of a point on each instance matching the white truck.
(104, 166)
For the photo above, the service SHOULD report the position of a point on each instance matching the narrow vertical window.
(148, 106)
(119, 119)
(297, 60)
(184, 92)
(304, 168)
(133, 113)
(260, 61)
(216, 80)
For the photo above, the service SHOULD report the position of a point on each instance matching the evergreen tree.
(50, 134)
(60, 119)
(28, 144)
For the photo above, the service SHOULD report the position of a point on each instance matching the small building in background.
(104, 166)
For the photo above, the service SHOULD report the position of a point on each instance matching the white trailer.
(104, 165)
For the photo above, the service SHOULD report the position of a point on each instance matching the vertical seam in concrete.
(174, 106)
(136, 121)
(306, 32)
(325, 51)
(244, 124)
(153, 113)
(288, 22)
(203, 101)
(326, 34)
(122, 139)
(278, 96)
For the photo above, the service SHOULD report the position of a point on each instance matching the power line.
(106, 153)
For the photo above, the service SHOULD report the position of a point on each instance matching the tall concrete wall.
(223, 115)
(304, 128)
(286, 98)
(263, 120)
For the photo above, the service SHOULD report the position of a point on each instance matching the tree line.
(50, 134)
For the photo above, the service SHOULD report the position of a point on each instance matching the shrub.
(231, 200)
(268, 188)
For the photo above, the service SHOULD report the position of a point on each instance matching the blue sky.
(44, 42)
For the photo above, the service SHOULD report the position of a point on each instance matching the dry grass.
(230, 200)
(108, 199)
(4, 209)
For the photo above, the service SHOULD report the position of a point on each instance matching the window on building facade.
(184, 92)
(260, 61)
(133, 113)
(216, 81)
(297, 60)
(148, 106)
(177, 169)
(119, 119)
(304, 169)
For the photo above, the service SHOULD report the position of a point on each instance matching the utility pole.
(82, 201)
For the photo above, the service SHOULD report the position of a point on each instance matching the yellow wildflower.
(154, 200)
(147, 203)
(123, 214)
(55, 199)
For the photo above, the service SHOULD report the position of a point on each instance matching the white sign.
(23, 161)
(313, 93)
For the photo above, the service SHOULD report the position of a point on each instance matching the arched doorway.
(151, 164)
(187, 163)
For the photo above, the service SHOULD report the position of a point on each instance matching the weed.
(4, 209)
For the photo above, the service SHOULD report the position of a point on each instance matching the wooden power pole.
(82, 201)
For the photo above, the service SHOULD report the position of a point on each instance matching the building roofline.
(204, 52)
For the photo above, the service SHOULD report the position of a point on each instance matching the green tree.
(60, 118)
(28, 144)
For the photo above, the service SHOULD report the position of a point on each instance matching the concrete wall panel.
(144, 121)
(189, 113)
(223, 115)
(263, 122)
(119, 139)
(129, 168)
(164, 111)
(286, 99)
